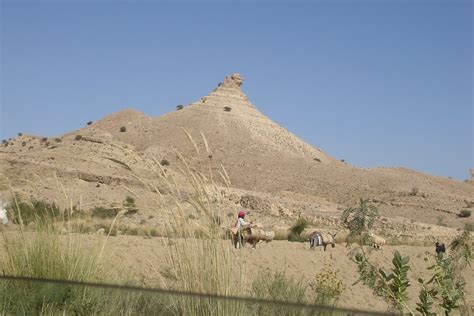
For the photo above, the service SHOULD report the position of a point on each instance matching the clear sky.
(377, 83)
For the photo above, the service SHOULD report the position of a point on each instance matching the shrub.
(20, 134)
(4, 141)
(58, 140)
(464, 213)
(123, 129)
(102, 212)
(164, 162)
(23, 143)
(23, 213)
(89, 123)
(227, 109)
(278, 286)
(328, 287)
(469, 226)
(414, 191)
(317, 159)
(297, 228)
(78, 137)
(130, 206)
(179, 107)
(44, 139)
(343, 160)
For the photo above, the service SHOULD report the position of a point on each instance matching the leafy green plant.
(359, 220)
(391, 286)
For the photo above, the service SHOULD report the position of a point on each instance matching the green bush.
(297, 228)
(103, 212)
(129, 205)
(464, 213)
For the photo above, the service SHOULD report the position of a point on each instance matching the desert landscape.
(141, 185)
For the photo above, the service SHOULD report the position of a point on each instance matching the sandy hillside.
(272, 171)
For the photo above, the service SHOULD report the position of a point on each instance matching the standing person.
(241, 224)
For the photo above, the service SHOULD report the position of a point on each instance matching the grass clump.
(277, 286)
(24, 212)
(295, 231)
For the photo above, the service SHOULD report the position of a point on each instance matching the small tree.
(359, 220)
(123, 129)
(20, 134)
(89, 123)
(179, 107)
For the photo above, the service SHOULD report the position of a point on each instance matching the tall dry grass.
(199, 260)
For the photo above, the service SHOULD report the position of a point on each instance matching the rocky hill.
(281, 175)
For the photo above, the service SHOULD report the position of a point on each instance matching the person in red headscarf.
(240, 224)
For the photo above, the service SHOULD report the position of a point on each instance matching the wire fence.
(25, 295)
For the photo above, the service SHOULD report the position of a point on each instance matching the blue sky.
(385, 83)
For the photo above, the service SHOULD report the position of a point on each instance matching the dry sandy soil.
(145, 259)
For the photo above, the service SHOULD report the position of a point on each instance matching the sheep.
(377, 241)
(322, 239)
(3, 214)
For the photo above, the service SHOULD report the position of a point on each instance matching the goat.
(377, 241)
(322, 239)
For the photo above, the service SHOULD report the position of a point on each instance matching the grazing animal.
(440, 249)
(377, 241)
(3, 214)
(252, 235)
(322, 239)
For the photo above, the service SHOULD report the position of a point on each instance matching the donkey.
(322, 239)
